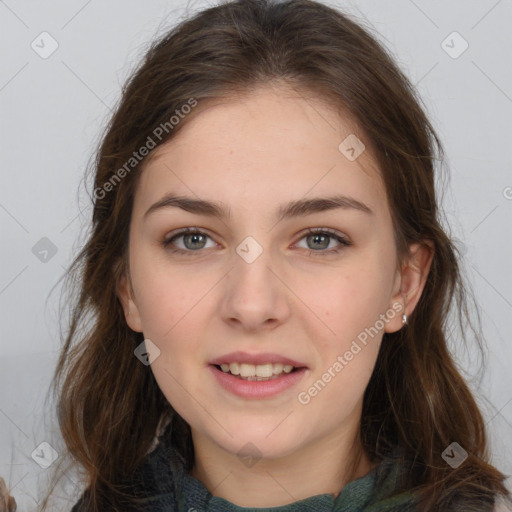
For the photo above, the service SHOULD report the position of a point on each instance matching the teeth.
(277, 368)
(258, 371)
(247, 370)
(264, 370)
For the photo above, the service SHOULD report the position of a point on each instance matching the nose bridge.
(252, 263)
(254, 294)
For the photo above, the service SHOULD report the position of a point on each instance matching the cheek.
(177, 379)
(166, 296)
(348, 349)
(350, 301)
(347, 300)
(170, 305)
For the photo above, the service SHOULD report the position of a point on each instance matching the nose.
(255, 295)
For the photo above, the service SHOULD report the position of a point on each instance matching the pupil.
(194, 238)
(316, 237)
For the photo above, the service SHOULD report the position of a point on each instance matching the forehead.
(270, 145)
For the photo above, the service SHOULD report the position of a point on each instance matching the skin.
(254, 153)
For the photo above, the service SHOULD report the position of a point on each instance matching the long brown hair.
(416, 398)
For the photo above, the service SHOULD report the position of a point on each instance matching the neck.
(322, 467)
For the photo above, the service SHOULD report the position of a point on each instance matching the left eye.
(322, 237)
(193, 240)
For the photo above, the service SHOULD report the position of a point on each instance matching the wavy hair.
(416, 398)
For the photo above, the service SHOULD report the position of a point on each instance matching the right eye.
(192, 241)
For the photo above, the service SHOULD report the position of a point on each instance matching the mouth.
(256, 372)
(256, 376)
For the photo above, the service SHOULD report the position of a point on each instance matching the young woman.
(265, 294)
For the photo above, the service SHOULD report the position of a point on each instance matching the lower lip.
(257, 388)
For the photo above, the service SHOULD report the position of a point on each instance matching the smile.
(253, 386)
(258, 372)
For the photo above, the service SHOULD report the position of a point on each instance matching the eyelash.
(167, 243)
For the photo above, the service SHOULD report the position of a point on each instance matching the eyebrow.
(297, 208)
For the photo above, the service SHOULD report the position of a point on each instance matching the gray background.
(52, 112)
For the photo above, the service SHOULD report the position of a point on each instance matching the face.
(250, 290)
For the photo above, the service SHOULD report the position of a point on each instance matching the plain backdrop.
(62, 67)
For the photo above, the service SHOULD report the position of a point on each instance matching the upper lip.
(245, 357)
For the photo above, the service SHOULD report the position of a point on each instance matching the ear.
(126, 297)
(410, 282)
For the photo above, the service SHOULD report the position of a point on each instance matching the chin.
(260, 441)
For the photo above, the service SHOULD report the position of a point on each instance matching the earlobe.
(411, 282)
(131, 311)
